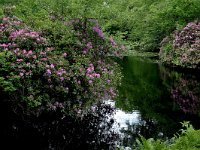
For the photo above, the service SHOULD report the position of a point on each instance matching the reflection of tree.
(140, 83)
(51, 131)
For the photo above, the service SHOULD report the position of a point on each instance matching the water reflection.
(186, 93)
(163, 96)
(91, 130)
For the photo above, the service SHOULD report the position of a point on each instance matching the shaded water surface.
(163, 97)
(55, 132)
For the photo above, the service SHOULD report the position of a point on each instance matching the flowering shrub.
(183, 48)
(91, 40)
(38, 74)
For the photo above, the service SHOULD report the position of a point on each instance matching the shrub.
(185, 48)
(39, 74)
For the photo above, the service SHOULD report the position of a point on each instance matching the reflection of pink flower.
(187, 101)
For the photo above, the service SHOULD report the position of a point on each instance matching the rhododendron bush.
(38, 74)
(183, 47)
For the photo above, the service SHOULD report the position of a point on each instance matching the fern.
(188, 139)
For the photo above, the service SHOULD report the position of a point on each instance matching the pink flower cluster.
(91, 74)
(188, 36)
(98, 31)
(63, 75)
(92, 40)
(24, 60)
(24, 35)
(25, 73)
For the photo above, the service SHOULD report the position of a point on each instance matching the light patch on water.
(123, 118)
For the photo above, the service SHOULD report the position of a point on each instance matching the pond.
(152, 101)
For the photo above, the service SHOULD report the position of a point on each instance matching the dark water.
(152, 102)
(163, 96)
(52, 131)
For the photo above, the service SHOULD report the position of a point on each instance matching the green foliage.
(161, 18)
(187, 140)
(141, 24)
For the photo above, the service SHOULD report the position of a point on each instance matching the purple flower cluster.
(183, 48)
(26, 59)
(91, 74)
(57, 78)
(92, 39)
(98, 31)
(188, 36)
